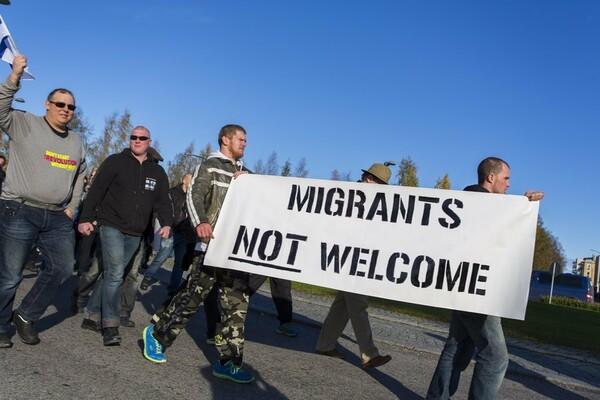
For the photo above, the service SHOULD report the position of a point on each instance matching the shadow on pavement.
(539, 384)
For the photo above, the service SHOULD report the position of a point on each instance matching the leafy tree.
(272, 166)
(443, 183)
(286, 170)
(301, 171)
(407, 173)
(114, 138)
(548, 250)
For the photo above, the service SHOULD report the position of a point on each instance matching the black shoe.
(111, 336)
(25, 329)
(127, 323)
(145, 284)
(335, 353)
(90, 325)
(5, 342)
(376, 362)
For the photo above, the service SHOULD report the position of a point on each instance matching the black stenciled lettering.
(407, 212)
(473, 280)
(242, 238)
(427, 208)
(356, 260)
(416, 269)
(445, 271)
(391, 268)
(378, 207)
(482, 278)
(264, 243)
(358, 204)
(335, 196)
(373, 265)
(446, 208)
(334, 256)
(294, 246)
(320, 197)
(296, 198)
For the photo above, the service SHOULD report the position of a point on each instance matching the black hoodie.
(125, 193)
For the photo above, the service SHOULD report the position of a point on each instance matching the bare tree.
(272, 165)
(340, 176)
(286, 170)
(335, 175)
(300, 171)
(114, 138)
(259, 167)
(80, 125)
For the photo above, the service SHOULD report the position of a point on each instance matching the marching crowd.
(48, 195)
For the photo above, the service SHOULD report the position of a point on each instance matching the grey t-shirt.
(44, 167)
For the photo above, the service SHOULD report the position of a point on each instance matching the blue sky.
(345, 84)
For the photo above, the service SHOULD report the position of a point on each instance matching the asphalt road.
(71, 363)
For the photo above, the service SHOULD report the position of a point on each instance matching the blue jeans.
(21, 227)
(467, 332)
(182, 254)
(117, 251)
(166, 248)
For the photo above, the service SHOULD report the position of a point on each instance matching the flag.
(8, 49)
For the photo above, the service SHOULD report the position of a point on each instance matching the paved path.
(71, 363)
(560, 365)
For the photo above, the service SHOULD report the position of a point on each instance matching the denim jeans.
(166, 248)
(183, 256)
(117, 251)
(89, 278)
(22, 227)
(130, 283)
(467, 332)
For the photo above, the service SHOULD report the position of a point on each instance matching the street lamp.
(5, 2)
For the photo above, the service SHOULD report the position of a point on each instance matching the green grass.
(544, 323)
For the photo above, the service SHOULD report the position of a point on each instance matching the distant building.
(590, 267)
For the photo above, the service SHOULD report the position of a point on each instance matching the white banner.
(443, 248)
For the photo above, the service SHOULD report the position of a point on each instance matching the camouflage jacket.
(208, 188)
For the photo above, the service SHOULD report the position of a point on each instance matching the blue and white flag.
(8, 49)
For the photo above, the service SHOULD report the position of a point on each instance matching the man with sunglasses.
(128, 188)
(44, 182)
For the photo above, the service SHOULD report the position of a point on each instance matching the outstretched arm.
(534, 195)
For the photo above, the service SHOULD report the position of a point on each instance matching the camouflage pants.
(234, 295)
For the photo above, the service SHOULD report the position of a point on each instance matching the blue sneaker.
(287, 329)
(153, 350)
(232, 372)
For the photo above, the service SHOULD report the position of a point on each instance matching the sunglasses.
(142, 138)
(60, 104)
